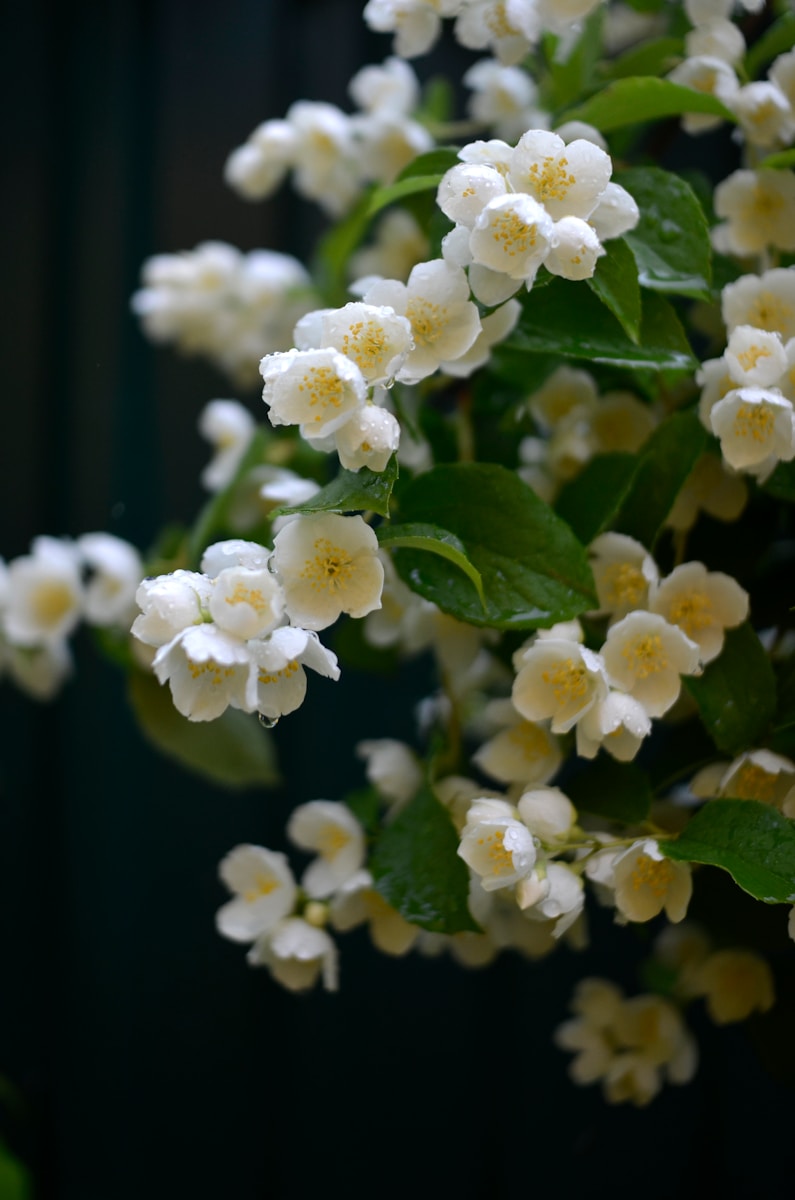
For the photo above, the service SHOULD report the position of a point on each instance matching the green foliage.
(417, 870)
(15, 1181)
(615, 282)
(434, 540)
(233, 751)
(736, 695)
(752, 841)
(671, 240)
(351, 491)
(534, 571)
(640, 99)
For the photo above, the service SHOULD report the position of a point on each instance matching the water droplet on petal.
(268, 722)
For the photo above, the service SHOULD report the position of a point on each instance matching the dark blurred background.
(147, 1059)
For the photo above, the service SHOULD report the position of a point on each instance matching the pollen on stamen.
(656, 875)
(568, 681)
(755, 421)
(646, 656)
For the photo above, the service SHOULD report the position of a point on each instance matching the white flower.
(759, 211)
(467, 188)
(558, 679)
(256, 169)
(525, 752)
(616, 212)
(207, 671)
(279, 676)
(391, 87)
(646, 882)
(499, 849)
(298, 955)
(264, 892)
(735, 983)
(563, 899)
(623, 572)
(717, 39)
(504, 98)
(756, 428)
(44, 594)
(115, 571)
(547, 813)
(645, 656)
(39, 671)
(568, 180)
(317, 390)
(764, 114)
(765, 301)
(233, 552)
(712, 75)
(512, 236)
(444, 321)
(755, 357)
(169, 604)
(333, 832)
(507, 27)
(576, 249)
(618, 722)
(373, 336)
(702, 603)
(246, 602)
(386, 143)
(494, 328)
(229, 427)
(328, 564)
(368, 439)
(415, 23)
(357, 902)
(391, 767)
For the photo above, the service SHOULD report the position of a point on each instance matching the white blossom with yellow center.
(169, 604)
(524, 752)
(568, 180)
(246, 602)
(318, 390)
(547, 812)
(509, 28)
(328, 564)
(619, 723)
(499, 849)
(576, 249)
(756, 429)
(115, 571)
(558, 680)
(702, 603)
(623, 572)
(758, 208)
(368, 439)
(734, 984)
(334, 834)
(764, 114)
(645, 656)
(44, 594)
(279, 661)
(646, 883)
(373, 336)
(512, 236)
(208, 671)
(711, 75)
(298, 955)
(356, 902)
(264, 892)
(755, 357)
(416, 24)
(444, 322)
(765, 301)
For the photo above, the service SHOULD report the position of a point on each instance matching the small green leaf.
(736, 695)
(352, 491)
(15, 1181)
(664, 463)
(631, 101)
(384, 196)
(590, 502)
(778, 162)
(365, 804)
(570, 321)
(417, 870)
(617, 791)
(615, 282)
(534, 570)
(233, 751)
(671, 240)
(754, 842)
(433, 162)
(431, 538)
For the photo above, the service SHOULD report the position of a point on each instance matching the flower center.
(365, 343)
(51, 603)
(284, 673)
(250, 596)
(500, 858)
(653, 874)
(331, 567)
(692, 612)
(568, 682)
(550, 180)
(626, 584)
(513, 236)
(263, 885)
(646, 656)
(528, 739)
(325, 388)
(211, 672)
(754, 420)
(750, 357)
(426, 321)
(753, 783)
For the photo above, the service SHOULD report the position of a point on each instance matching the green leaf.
(780, 161)
(365, 804)
(590, 502)
(777, 39)
(431, 538)
(334, 250)
(664, 463)
(736, 695)
(654, 57)
(631, 101)
(384, 196)
(15, 1181)
(417, 870)
(754, 842)
(433, 162)
(615, 282)
(617, 791)
(352, 491)
(568, 320)
(212, 520)
(234, 751)
(671, 241)
(534, 570)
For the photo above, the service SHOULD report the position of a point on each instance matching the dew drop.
(268, 722)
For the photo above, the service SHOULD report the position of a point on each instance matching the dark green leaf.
(233, 751)
(781, 483)
(664, 463)
(617, 791)
(571, 74)
(534, 570)
(417, 870)
(352, 491)
(615, 282)
(777, 39)
(752, 841)
(671, 241)
(631, 101)
(434, 162)
(365, 804)
(15, 1182)
(434, 540)
(568, 320)
(589, 503)
(384, 196)
(736, 695)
